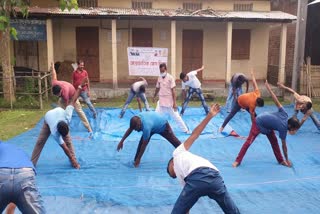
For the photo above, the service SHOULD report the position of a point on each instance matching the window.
(88, 3)
(241, 44)
(141, 5)
(142, 37)
(192, 6)
(242, 7)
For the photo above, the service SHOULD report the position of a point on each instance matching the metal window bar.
(192, 6)
(141, 5)
(88, 3)
(242, 7)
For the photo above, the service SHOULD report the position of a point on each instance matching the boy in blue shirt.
(266, 124)
(149, 123)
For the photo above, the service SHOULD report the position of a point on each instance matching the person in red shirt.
(247, 101)
(77, 77)
(65, 91)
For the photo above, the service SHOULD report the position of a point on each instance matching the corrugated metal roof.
(272, 16)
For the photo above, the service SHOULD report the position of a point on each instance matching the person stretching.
(190, 79)
(266, 123)
(247, 101)
(198, 176)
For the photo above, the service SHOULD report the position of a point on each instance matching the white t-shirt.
(184, 162)
(54, 116)
(136, 86)
(193, 81)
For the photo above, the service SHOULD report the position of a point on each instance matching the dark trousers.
(167, 134)
(200, 182)
(254, 132)
(236, 107)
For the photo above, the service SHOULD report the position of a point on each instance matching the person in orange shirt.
(247, 101)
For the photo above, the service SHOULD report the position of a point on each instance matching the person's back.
(67, 89)
(269, 121)
(248, 100)
(18, 185)
(54, 116)
(193, 81)
(136, 86)
(152, 121)
(238, 79)
(13, 157)
(185, 162)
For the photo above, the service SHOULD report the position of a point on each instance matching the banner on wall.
(145, 61)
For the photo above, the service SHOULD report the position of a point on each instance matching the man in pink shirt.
(167, 97)
(77, 77)
(65, 92)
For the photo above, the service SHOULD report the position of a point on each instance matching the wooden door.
(141, 37)
(87, 41)
(192, 48)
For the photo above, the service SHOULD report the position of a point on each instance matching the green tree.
(9, 9)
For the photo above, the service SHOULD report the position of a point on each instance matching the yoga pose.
(56, 124)
(149, 123)
(198, 176)
(235, 89)
(267, 123)
(190, 79)
(247, 101)
(18, 181)
(137, 89)
(65, 92)
(304, 105)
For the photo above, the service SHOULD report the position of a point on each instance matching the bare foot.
(235, 164)
(286, 163)
(221, 129)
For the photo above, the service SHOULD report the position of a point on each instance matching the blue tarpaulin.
(108, 183)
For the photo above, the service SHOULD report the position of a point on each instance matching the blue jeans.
(200, 94)
(230, 99)
(200, 182)
(19, 187)
(131, 95)
(86, 99)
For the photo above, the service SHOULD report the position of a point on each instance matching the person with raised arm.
(235, 89)
(190, 79)
(267, 123)
(304, 105)
(56, 123)
(65, 91)
(248, 101)
(198, 176)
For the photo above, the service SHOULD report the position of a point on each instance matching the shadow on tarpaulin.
(108, 183)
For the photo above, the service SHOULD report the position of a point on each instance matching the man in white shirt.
(137, 89)
(190, 79)
(198, 176)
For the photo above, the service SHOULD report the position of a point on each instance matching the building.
(225, 36)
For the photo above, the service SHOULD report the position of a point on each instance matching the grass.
(17, 121)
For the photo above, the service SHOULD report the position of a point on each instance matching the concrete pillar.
(114, 53)
(50, 51)
(173, 48)
(282, 55)
(229, 50)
